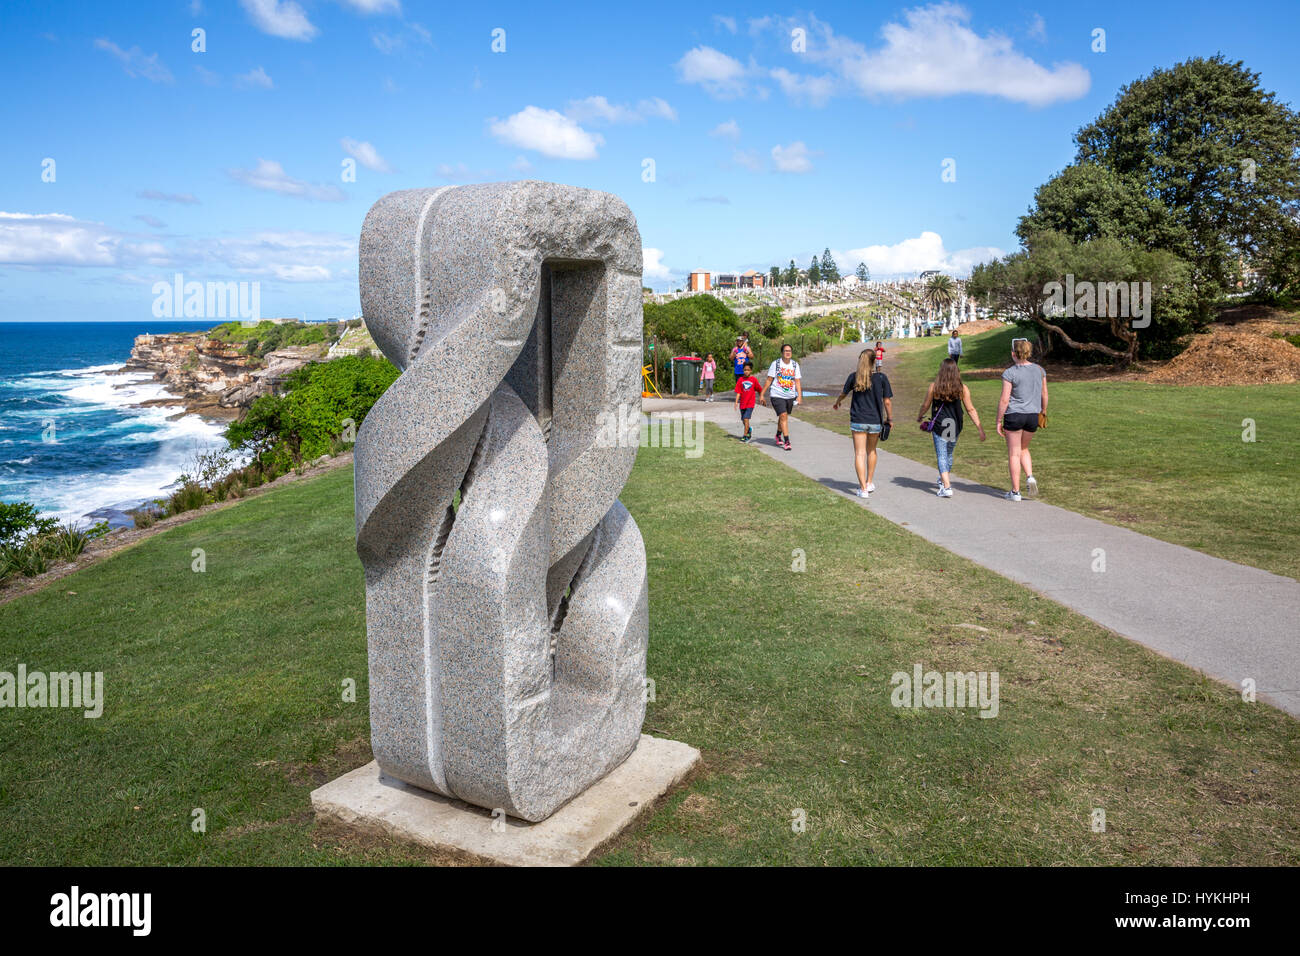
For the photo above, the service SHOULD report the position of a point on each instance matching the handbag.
(880, 410)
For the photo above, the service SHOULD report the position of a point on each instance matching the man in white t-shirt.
(785, 386)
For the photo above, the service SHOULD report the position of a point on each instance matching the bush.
(21, 520)
(308, 420)
(187, 497)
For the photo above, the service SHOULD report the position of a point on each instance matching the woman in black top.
(870, 410)
(947, 395)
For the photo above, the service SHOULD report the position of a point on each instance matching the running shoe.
(787, 444)
(1031, 487)
(871, 486)
(863, 494)
(945, 492)
(1012, 496)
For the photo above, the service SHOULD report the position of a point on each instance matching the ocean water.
(72, 440)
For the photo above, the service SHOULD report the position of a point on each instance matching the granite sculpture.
(506, 599)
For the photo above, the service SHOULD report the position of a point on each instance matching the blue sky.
(227, 164)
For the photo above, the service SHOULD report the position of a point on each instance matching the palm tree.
(939, 293)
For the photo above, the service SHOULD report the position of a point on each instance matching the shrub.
(187, 497)
(20, 520)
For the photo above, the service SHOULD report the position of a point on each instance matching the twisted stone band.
(505, 583)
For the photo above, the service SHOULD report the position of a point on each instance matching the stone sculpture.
(506, 600)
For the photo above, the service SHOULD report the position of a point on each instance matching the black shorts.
(745, 413)
(782, 406)
(1020, 422)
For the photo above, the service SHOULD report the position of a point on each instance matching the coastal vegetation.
(30, 543)
(266, 336)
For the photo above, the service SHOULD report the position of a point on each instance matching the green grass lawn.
(1165, 460)
(224, 691)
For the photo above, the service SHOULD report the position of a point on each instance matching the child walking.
(747, 389)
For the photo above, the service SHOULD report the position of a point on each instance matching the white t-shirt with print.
(783, 375)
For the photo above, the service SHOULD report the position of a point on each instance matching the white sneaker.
(871, 486)
(1012, 496)
(862, 494)
(1031, 487)
(945, 492)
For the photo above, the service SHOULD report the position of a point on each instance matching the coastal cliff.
(211, 377)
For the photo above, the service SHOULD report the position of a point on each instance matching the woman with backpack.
(871, 412)
(945, 397)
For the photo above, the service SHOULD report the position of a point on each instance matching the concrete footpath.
(1228, 620)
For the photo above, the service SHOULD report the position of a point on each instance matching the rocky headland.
(214, 378)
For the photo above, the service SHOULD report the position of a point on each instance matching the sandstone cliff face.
(213, 377)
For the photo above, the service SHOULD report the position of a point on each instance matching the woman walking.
(784, 386)
(869, 412)
(946, 396)
(1024, 399)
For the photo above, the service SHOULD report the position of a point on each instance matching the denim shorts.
(869, 429)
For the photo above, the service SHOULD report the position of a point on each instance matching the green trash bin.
(686, 374)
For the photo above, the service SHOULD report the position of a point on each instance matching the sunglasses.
(1014, 341)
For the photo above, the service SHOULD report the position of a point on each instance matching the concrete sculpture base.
(367, 801)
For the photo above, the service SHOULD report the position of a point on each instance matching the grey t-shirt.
(1026, 389)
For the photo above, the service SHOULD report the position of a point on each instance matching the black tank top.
(945, 411)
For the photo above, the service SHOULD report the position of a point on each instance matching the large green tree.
(863, 273)
(814, 272)
(1219, 154)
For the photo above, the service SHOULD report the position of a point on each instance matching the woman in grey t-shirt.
(1024, 395)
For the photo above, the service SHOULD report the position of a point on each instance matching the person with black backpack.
(945, 398)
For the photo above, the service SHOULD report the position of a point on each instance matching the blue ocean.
(73, 439)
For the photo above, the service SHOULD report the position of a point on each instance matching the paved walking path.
(1228, 620)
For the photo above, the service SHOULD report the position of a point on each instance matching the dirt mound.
(1232, 358)
(980, 325)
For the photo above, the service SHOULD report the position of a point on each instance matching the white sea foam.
(90, 390)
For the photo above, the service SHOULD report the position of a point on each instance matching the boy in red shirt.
(747, 390)
(880, 356)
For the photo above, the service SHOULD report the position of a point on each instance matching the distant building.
(699, 282)
(929, 272)
(751, 280)
(727, 280)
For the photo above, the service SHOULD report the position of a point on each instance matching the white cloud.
(256, 77)
(270, 176)
(55, 239)
(814, 90)
(721, 76)
(280, 18)
(652, 265)
(547, 132)
(747, 158)
(794, 158)
(933, 52)
(365, 154)
(187, 199)
(153, 221)
(521, 164)
(936, 53)
(726, 23)
(728, 130)
(135, 63)
(911, 256)
(597, 109)
(375, 6)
